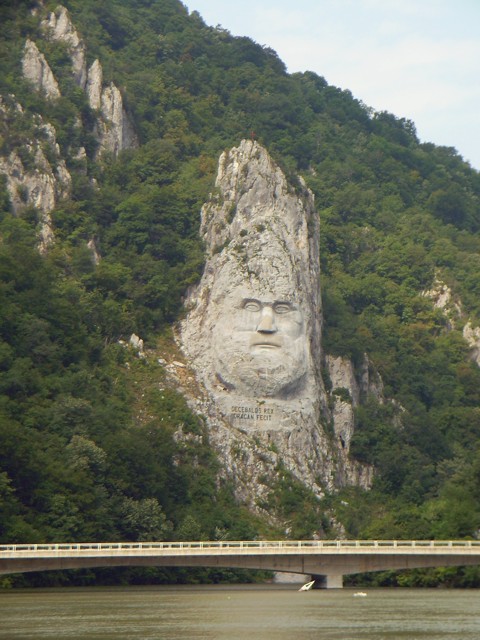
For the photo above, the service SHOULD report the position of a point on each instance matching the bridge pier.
(328, 581)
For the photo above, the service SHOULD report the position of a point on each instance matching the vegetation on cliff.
(87, 446)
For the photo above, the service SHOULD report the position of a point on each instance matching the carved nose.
(267, 321)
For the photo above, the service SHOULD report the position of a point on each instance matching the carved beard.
(263, 374)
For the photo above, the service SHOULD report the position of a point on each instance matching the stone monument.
(252, 332)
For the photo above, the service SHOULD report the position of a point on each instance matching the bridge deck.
(331, 558)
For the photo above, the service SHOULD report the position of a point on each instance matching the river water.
(238, 613)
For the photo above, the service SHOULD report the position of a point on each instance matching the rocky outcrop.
(114, 129)
(348, 389)
(92, 246)
(136, 343)
(253, 334)
(442, 298)
(94, 85)
(371, 383)
(59, 27)
(117, 130)
(43, 182)
(472, 336)
(36, 188)
(344, 398)
(36, 70)
(342, 377)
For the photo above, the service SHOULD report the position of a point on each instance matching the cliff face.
(35, 170)
(60, 28)
(253, 332)
(114, 130)
(45, 180)
(37, 71)
(441, 296)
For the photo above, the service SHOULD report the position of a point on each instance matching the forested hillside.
(88, 429)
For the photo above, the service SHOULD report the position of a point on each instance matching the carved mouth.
(266, 343)
(266, 346)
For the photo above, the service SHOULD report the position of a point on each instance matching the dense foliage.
(76, 460)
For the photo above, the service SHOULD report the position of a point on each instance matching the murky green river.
(238, 613)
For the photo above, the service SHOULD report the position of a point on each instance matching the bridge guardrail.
(241, 544)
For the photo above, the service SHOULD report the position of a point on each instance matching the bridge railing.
(242, 544)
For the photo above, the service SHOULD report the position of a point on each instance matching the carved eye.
(252, 305)
(282, 307)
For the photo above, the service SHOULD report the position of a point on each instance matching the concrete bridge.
(331, 559)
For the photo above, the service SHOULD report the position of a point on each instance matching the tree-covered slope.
(77, 459)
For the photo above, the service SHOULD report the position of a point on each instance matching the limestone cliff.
(37, 71)
(114, 129)
(36, 174)
(43, 182)
(441, 296)
(94, 85)
(253, 334)
(472, 336)
(60, 28)
(348, 388)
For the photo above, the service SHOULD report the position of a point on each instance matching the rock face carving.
(266, 354)
(253, 331)
(255, 321)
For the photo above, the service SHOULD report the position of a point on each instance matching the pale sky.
(417, 59)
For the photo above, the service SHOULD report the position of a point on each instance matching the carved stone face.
(259, 344)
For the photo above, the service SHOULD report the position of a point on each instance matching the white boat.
(360, 594)
(307, 586)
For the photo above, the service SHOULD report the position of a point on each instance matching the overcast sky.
(418, 59)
